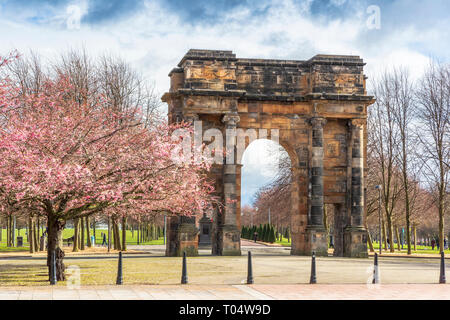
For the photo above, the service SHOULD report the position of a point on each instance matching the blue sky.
(154, 34)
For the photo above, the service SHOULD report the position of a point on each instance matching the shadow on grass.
(22, 275)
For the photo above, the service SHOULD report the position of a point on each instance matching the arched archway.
(265, 164)
(319, 109)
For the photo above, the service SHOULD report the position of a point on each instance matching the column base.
(315, 240)
(185, 240)
(231, 240)
(355, 242)
(188, 240)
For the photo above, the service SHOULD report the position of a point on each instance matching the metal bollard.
(313, 279)
(119, 270)
(184, 278)
(376, 277)
(53, 268)
(250, 269)
(442, 273)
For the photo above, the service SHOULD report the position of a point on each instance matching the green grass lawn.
(284, 242)
(420, 249)
(67, 233)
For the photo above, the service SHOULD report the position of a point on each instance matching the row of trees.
(144, 231)
(409, 151)
(83, 138)
(267, 233)
(408, 155)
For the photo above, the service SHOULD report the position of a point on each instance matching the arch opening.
(264, 190)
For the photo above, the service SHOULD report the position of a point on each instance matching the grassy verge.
(284, 242)
(419, 249)
(132, 239)
(136, 271)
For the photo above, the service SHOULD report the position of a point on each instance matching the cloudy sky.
(153, 35)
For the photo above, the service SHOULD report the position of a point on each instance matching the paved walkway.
(233, 292)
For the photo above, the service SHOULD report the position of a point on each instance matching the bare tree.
(433, 99)
(403, 115)
(27, 72)
(276, 195)
(125, 88)
(382, 143)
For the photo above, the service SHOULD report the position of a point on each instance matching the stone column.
(315, 231)
(182, 234)
(355, 235)
(229, 232)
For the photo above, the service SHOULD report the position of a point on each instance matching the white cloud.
(155, 39)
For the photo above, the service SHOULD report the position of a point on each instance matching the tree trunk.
(83, 237)
(35, 238)
(415, 236)
(75, 235)
(124, 233)
(38, 225)
(391, 235)
(109, 233)
(93, 228)
(30, 234)
(369, 240)
(55, 228)
(384, 235)
(117, 236)
(138, 233)
(397, 234)
(11, 232)
(88, 233)
(8, 232)
(441, 221)
(113, 233)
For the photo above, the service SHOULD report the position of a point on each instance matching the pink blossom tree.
(74, 159)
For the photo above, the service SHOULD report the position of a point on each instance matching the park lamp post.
(379, 214)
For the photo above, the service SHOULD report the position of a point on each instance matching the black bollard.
(250, 269)
(53, 268)
(442, 274)
(119, 270)
(313, 279)
(184, 278)
(376, 277)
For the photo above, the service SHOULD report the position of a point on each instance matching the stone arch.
(319, 107)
